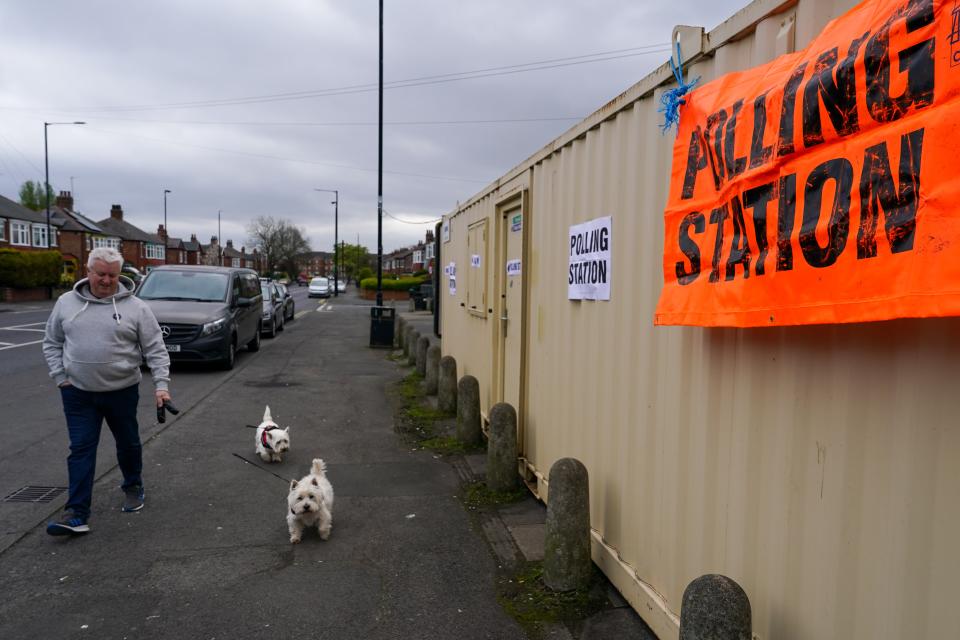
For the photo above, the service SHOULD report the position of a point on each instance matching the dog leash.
(161, 411)
(254, 464)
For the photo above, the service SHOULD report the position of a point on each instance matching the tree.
(351, 256)
(280, 241)
(31, 195)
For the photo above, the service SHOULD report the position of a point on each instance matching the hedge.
(392, 284)
(24, 269)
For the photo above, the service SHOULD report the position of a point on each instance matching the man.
(93, 344)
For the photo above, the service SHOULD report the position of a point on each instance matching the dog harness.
(263, 436)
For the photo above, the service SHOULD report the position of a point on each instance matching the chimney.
(162, 233)
(193, 237)
(230, 244)
(116, 212)
(429, 237)
(213, 240)
(243, 249)
(65, 200)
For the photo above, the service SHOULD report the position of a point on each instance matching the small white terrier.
(272, 441)
(310, 503)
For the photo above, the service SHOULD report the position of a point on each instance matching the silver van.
(205, 313)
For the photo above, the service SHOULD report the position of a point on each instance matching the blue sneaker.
(69, 525)
(132, 499)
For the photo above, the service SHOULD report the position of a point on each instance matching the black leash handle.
(167, 406)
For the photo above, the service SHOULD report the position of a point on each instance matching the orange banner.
(822, 187)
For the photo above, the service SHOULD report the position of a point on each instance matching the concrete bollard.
(468, 411)
(715, 607)
(422, 345)
(414, 339)
(566, 561)
(502, 449)
(401, 327)
(408, 340)
(447, 385)
(432, 372)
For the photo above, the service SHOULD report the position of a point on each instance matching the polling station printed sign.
(822, 187)
(590, 265)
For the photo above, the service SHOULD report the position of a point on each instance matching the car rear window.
(184, 285)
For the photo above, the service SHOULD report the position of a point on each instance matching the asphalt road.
(34, 437)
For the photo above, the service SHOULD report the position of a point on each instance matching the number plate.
(173, 348)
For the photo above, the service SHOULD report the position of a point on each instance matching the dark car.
(205, 313)
(273, 313)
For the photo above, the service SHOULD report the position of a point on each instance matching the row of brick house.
(75, 235)
(419, 257)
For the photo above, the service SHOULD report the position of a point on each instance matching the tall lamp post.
(46, 170)
(336, 205)
(165, 192)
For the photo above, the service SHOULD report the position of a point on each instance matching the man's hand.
(162, 394)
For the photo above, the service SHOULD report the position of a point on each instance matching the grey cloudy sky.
(247, 107)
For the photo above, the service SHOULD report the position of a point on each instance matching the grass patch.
(477, 495)
(532, 603)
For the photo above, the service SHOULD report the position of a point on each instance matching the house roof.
(230, 252)
(74, 221)
(11, 209)
(126, 231)
(175, 243)
(191, 245)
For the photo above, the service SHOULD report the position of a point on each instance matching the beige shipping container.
(816, 466)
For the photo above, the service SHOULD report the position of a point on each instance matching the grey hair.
(106, 254)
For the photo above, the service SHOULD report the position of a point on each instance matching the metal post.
(380, 174)
(165, 228)
(219, 242)
(336, 207)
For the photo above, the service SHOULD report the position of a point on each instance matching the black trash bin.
(381, 327)
(419, 300)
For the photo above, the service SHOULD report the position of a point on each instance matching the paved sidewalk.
(209, 556)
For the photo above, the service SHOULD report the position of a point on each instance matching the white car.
(341, 286)
(319, 288)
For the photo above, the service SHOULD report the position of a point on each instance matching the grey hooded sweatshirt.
(95, 344)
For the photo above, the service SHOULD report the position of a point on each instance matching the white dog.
(310, 503)
(272, 441)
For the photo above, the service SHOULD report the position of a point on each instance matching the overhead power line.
(338, 124)
(431, 221)
(397, 84)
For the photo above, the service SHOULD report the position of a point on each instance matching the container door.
(511, 303)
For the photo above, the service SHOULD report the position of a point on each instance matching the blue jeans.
(85, 412)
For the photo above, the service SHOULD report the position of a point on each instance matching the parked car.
(341, 286)
(272, 317)
(133, 273)
(205, 313)
(289, 306)
(319, 288)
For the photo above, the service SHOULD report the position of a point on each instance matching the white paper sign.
(445, 231)
(591, 263)
(513, 268)
(451, 271)
(475, 261)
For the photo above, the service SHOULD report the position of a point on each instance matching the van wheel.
(230, 357)
(254, 344)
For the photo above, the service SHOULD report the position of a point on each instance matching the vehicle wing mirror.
(244, 302)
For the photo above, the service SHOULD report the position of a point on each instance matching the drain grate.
(35, 494)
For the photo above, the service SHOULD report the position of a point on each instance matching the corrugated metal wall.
(817, 466)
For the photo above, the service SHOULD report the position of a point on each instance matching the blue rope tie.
(672, 99)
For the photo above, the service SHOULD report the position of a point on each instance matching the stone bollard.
(502, 449)
(432, 372)
(468, 411)
(414, 337)
(714, 607)
(566, 561)
(401, 327)
(422, 345)
(447, 385)
(408, 340)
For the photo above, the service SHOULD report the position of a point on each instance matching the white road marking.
(25, 344)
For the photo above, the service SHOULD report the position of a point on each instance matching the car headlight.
(213, 327)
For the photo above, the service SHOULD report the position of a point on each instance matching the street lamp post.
(336, 206)
(165, 192)
(46, 170)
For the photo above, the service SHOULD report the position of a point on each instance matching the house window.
(155, 252)
(3, 229)
(429, 251)
(108, 243)
(418, 257)
(235, 262)
(20, 234)
(183, 257)
(39, 235)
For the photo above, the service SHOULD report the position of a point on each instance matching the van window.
(250, 286)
